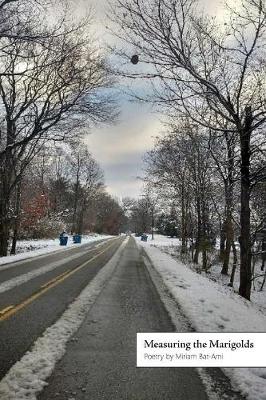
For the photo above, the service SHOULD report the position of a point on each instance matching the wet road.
(100, 362)
(35, 292)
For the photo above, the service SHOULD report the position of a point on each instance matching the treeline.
(54, 86)
(63, 189)
(197, 177)
(207, 74)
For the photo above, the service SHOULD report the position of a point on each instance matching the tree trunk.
(14, 239)
(4, 218)
(245, 241)
(6, 180)
(183, 222)
(205, 243)
(222, 242)
(205, 260)
(152, 222)
(227, 252)
(229, 188)
(263, 282)
(192, 248)
(196, 254)
(229, 243)
(75, 209)
(232, 277)
(4, 237)
(17, 220)
(79, 227)
(4, 212)
(198, 239)
(263, 254)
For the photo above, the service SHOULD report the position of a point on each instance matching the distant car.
(138, 234)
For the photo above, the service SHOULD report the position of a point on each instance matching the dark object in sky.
(135, 59)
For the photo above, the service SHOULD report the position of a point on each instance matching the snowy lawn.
(172, 247)
(32, 248)
(210, 307)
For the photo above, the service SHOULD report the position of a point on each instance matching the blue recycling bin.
(76, 238)
(144, 238)
(63, 240)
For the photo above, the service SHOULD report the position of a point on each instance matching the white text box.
(201, 349)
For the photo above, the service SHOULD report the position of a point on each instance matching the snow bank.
(28, 376)
(172, 246)
(210, 308)
(45, 246)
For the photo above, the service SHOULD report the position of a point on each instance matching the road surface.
(29, 308)
(100, 360)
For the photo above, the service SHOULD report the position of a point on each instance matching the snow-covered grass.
(210, 307)
(32, 248)
(28, 376)
(160, 240)
(172, 247)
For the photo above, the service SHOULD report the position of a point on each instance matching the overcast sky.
(119, 149)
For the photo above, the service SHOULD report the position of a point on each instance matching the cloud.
(125, 189)
(120, 149)
(134, 135)
(122, 178)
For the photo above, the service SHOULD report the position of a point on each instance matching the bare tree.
(51, 87)
(211, 71)
(110, 217)
(167, 167)
(88, 181)
(224, 152)
(181, 161)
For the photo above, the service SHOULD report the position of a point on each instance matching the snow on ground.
(172, 247)
(28, 376)
(210, 307)
(160, 240)
(32, 248)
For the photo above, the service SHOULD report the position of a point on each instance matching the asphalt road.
(100, 362)
(28, 308)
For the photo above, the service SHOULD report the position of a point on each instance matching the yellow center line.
(54, 252)
(6, 310)
(11, 310)
(55, 279)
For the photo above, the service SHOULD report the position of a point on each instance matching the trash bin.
(76, 238)
(144, 238)
(63, 240)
